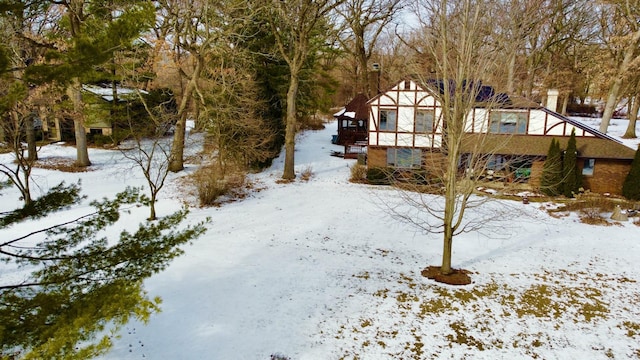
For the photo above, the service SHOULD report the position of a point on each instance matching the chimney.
(552, 99)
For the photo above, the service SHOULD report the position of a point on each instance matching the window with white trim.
(587, 168)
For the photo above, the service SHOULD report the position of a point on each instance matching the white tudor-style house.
(404, 131)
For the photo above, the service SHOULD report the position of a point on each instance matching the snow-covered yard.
(317, 270)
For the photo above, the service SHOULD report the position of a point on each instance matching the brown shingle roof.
(538, 145)
(357, 105)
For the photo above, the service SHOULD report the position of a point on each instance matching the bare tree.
(365, 21)
(296, 27)
(16, 112)
(151, 148)
(454, 58)
(18, 171)
(194, 36)
(202, 30)
(620, 33)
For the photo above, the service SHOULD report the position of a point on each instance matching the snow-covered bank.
(316, 270)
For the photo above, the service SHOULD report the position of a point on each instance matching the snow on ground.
(317, 270)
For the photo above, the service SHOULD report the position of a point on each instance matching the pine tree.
(83, 285)
(75, 44)
(631, 185)
(571, 179)
(551, 181)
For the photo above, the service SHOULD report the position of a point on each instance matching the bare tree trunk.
(565, 103)
(365, 86)
(511, 73)
(290, 131)
(31, 139)
(152, 205)
(177, 148)
(610, 106)
(633, 117)
(449, 210)
(614, 91)
(82, 153)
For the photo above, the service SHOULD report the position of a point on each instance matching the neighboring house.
(352, 121)
(352, 128)
(98, 119)
(405, 131)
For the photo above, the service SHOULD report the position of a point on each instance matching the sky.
(319, 269)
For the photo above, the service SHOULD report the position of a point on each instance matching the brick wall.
(608, 176)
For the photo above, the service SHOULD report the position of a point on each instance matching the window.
(404, 157)
(407, 85)
(508, 122)
(388, 119)
(424, 121)
(587, 168)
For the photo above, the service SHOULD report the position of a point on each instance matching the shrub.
(422, 177)
(551, 180)
(210, 185)
(100, 140)
(572, 179)
(358, 173)
(631, 186)
(306, 174)
(379, 176)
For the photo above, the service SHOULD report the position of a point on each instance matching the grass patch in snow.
(539, 306)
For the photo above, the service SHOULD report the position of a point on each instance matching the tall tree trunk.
(511, 73)
(31, 139)
(633, 117)
(610, 106)
(177, 146)
(82, 153)
(291, 127)
(365, 86)
(614, 91)
(565, 103)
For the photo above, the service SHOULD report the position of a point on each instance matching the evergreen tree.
(75, 43)
(551, 181)
(631, 185)
(82, 284)
(571, 179)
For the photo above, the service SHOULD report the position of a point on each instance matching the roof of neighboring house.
(356, 109)
(106, 92)
(483, 93)
(538, 145)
